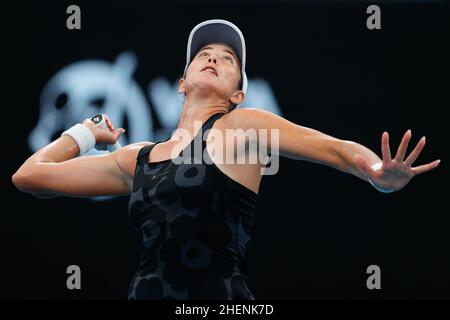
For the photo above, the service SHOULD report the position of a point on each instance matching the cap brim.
(216, 31)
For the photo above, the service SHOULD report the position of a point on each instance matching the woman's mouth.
(211, 70)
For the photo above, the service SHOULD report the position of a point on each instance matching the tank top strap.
(207, 126)
(201, 136)
(210, 122)
(143, 153)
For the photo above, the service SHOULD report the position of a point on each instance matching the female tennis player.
(192, 207)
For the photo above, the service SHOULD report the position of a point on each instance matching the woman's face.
(214, 67)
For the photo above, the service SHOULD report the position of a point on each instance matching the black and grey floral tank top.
(194, 224)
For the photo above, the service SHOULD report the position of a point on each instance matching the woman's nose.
(212, 59)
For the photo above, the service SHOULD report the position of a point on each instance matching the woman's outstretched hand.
(393, 174)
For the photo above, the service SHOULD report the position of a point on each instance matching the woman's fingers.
(117, 132)
(426, 167)
(108, 123)
(401, 151)
(416, 152)
(385, 150)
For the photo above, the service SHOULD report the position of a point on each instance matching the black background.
(317, 229)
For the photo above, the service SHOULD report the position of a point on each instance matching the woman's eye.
(229, 59)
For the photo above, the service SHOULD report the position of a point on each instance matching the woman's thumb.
(118, 132)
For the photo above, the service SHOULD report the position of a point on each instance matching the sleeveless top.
(194, 225)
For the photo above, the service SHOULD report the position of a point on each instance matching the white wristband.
(83, 137)
(377, 166)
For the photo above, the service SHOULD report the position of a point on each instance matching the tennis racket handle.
(99, 120)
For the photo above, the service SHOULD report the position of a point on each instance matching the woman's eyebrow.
(225, 50)
(202, 49)
(232, 53)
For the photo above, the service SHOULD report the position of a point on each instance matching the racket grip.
(99, 120)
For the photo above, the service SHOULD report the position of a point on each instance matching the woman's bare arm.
(56, 170)
(300, 142)
(303, 143)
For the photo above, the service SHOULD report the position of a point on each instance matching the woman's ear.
(237, 97)
(181, 86)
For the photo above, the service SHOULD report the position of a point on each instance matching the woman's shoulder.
(136, 146)
(246, 118)
(126, 156)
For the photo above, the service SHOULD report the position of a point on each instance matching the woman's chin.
(206, 85)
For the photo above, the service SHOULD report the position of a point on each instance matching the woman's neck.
(199, 110)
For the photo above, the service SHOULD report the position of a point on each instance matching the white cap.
(217, 30)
